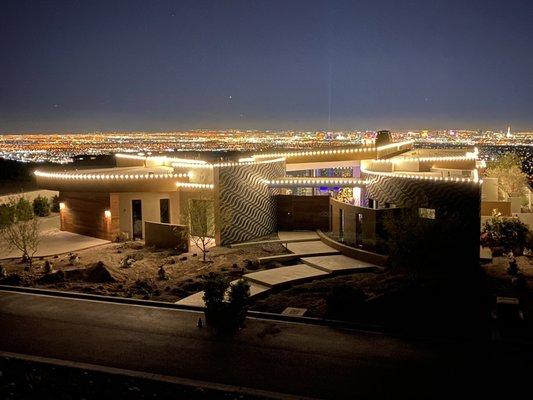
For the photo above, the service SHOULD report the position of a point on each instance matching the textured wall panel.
(247, 206)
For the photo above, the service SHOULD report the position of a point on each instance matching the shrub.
(7, 214)
(55, 204)
(225, 316)
(344, 302)
(214, 286)
(513, 268)
(239, 297)
(23, 209)
(41, 206)
(509, 233)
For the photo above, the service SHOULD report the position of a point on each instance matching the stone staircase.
(318, 260)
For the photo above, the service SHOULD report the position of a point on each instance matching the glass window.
(164, 210)
(428, 213)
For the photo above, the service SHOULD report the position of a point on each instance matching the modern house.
(346, 191)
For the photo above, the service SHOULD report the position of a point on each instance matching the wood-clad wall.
(84, 213)
(302, 212)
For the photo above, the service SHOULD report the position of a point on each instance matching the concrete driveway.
(54, 241)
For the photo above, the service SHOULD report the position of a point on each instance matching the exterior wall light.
(62, 206)
(107, 214)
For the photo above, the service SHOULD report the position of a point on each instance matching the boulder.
(53, 277)
(12, 279)
(98, 273)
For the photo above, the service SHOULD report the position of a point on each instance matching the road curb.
(154, 377)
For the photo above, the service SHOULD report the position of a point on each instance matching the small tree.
(512, 181)
(22, 233)
(201, 221)
(509, 233)
(41, 206)
(55, 204)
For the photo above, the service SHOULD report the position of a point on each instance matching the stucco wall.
(150, 209)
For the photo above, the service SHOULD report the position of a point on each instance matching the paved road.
(291, 358)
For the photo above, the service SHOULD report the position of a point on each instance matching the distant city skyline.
(304, 65)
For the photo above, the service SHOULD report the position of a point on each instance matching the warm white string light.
(397, 160)
(189, 185)
(226, 164)
(297, 181)
(423, 177)
(106, 176)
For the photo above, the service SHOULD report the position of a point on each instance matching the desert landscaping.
(130, 269)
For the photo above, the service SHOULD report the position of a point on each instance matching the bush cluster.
(511, 234)
(41, 206)
(222, 314)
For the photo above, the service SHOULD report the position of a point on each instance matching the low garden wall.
(166, 236)
(358, 254)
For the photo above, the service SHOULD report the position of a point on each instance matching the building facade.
(347, 191)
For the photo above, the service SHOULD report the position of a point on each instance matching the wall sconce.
(107, 214)
(62, 206)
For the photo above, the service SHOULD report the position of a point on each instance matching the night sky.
(170, 65)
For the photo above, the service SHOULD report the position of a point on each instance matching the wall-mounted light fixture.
(62, 206)
(107, 214)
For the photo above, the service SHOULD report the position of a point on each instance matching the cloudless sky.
(274, 64)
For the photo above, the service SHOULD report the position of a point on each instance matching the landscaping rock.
(48, 267)
(162, 275)
(98, 273)
(13, 280)
(73, 258)
(52, 278)
(126, 262)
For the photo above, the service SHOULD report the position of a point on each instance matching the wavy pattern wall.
(247, 206)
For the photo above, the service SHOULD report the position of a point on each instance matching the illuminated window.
(428, 213)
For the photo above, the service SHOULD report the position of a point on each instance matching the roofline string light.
(189, 185)
(227, 164)
(316, 182)
(116, 176)
(475, 180)
(395, 160)
(360, 149)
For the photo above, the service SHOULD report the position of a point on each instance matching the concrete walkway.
(54, 241)
(311, 248)
(338, 263)
(318, 260)
(284, 275)
(297, 235)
